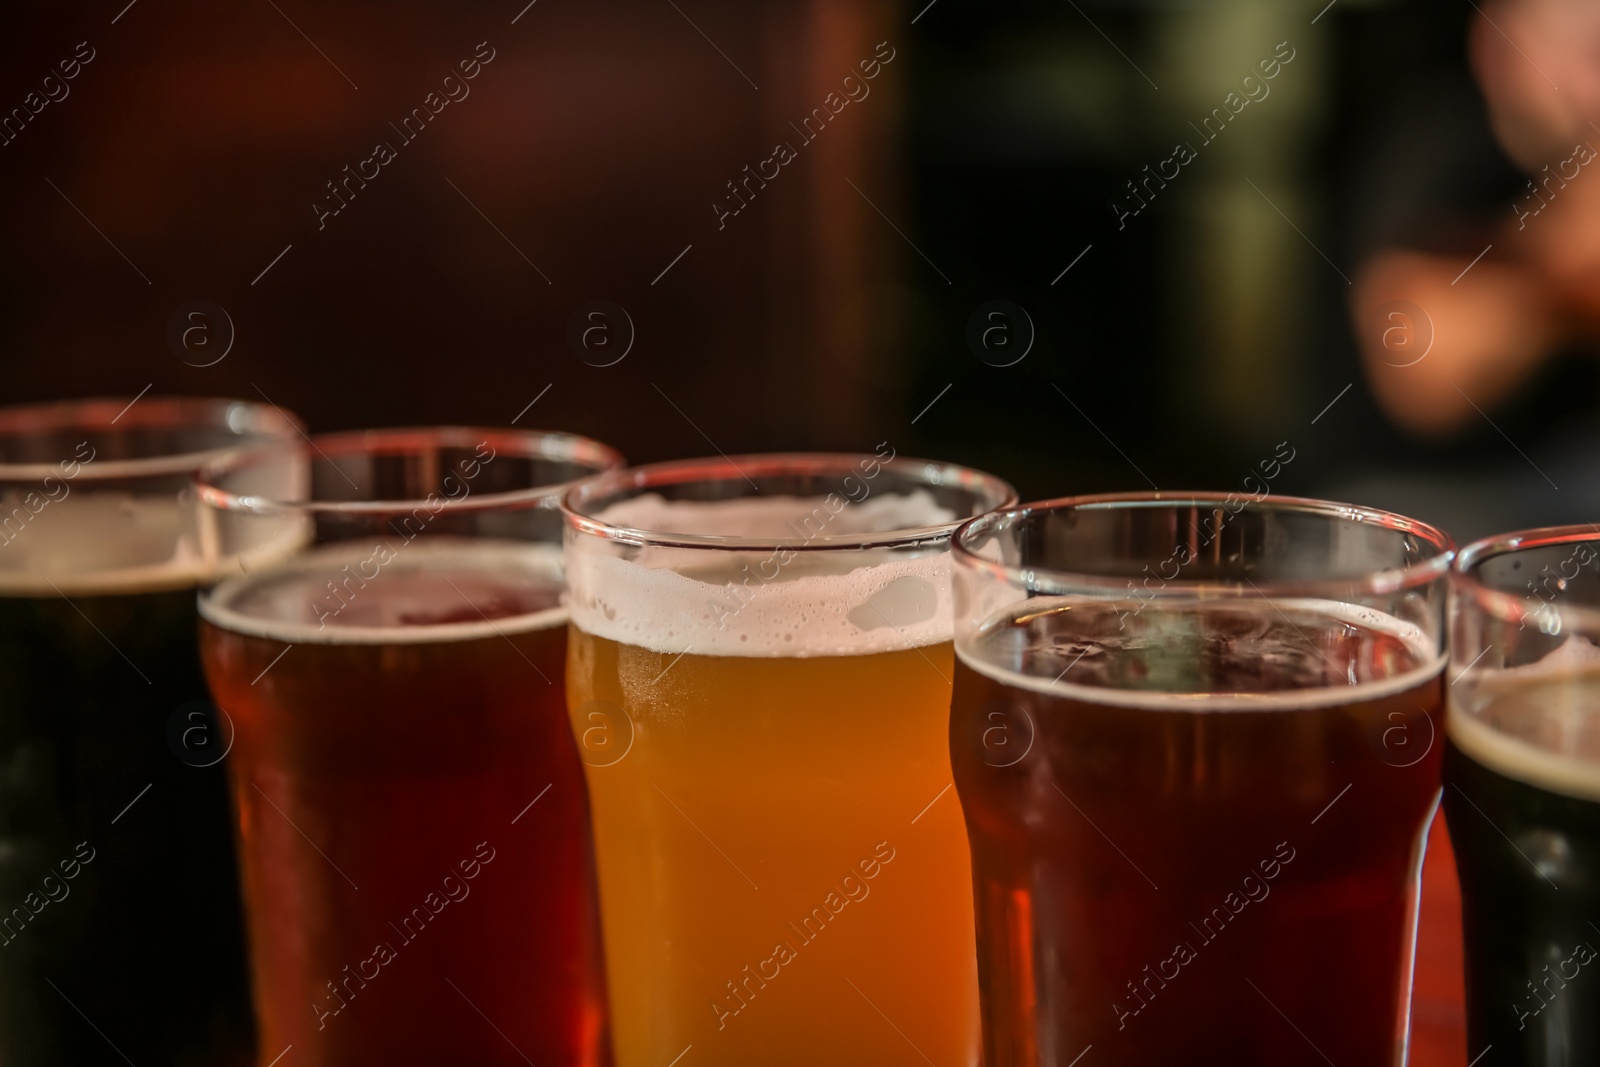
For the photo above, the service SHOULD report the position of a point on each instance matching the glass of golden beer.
(759, 680)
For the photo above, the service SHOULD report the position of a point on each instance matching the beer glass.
(411, 812)
(1193, 737)
(759, 678)
(120, 933)
(1522, 792)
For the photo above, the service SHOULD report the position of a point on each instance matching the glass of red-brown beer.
(1197, 742)
(410, 807)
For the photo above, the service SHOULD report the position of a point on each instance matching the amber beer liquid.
(758, 855)
(412, 817)
(784, 876)
(1193, 840)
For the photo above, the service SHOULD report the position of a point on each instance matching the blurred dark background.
(1216, 330)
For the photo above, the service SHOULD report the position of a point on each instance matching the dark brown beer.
(411, 806)
(1522, 796)
(1195, 829)
(117, 878)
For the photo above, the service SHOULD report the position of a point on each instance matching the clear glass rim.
(552, 445)
(103, 414)
(578, 505)
(1063, 582)
(1515, 606)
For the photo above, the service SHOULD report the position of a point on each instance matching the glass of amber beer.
(759, 679)
(1522, 792)
(411, 810)
(1193, 738)
(120, 930)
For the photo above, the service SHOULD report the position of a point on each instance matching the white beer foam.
(780, 517)
(1422, 648)
(790, 602)
(280, 603)
(1545, 727)
(94, 543)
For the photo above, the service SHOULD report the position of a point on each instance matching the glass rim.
(578, 503)
(1514, 607)
(523, 444)
(102, 414)
(1064, 582)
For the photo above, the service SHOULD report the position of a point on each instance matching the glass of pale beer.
(120, 930)
(1522, 793)
(410, 807)
(1194, 740)
(759, 680)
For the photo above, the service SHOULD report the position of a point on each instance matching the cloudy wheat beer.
(1522, 794)
(759, 679)
(1195, 748)
(118, 892)
(412, 814)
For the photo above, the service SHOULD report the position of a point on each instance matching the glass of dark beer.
(1193, 740)
(1522, 792)
(120, 933)
(411, 808)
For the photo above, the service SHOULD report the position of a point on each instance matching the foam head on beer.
(103, 542)
(97, 506)
(785, 600)
(1537, 722)
(441, 588)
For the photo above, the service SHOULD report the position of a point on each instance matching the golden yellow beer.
(784, 874)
